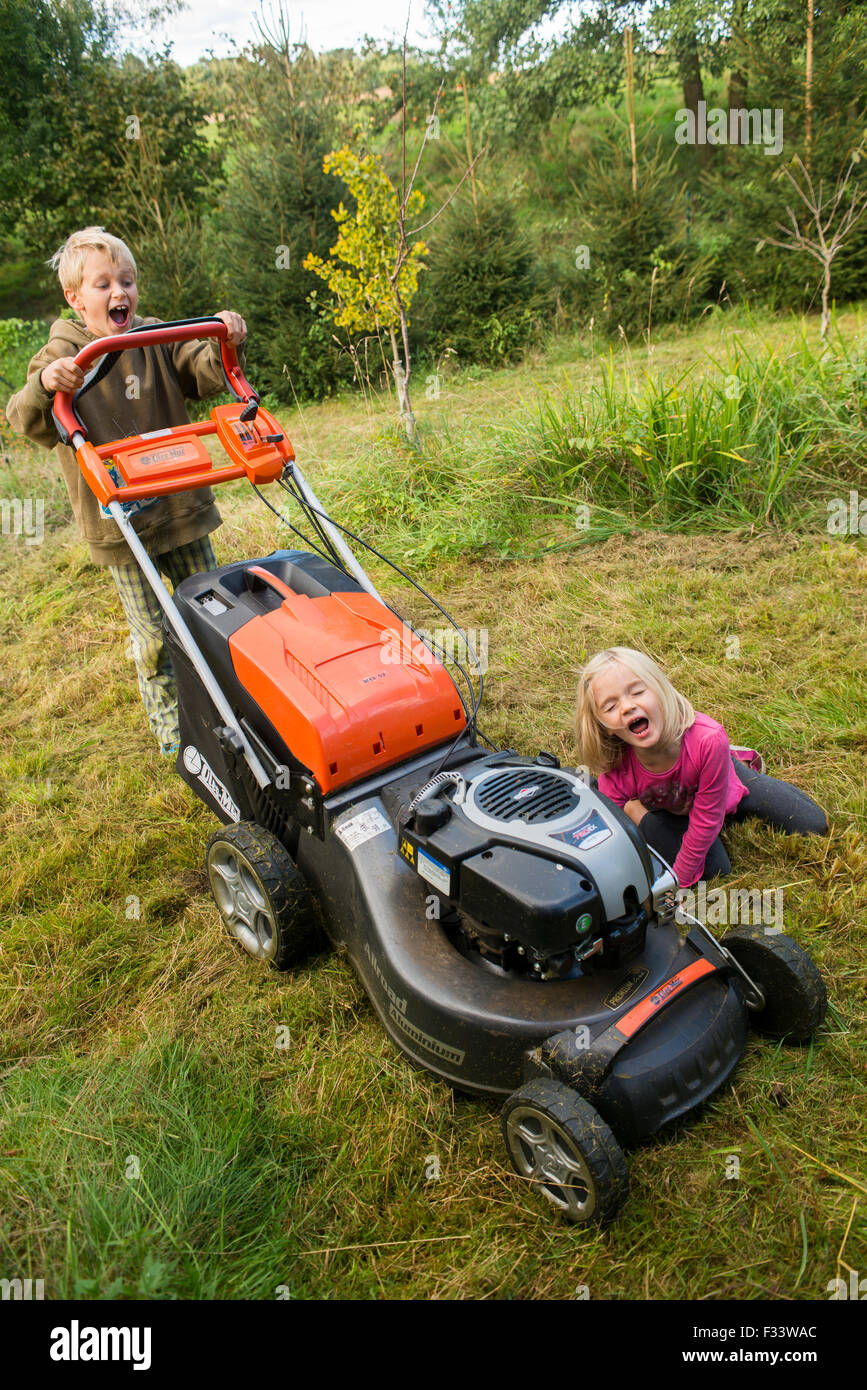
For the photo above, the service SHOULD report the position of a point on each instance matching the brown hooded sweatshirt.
(145, 390)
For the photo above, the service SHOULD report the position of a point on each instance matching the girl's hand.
(63, 374)
(635, 811)
(236, 326)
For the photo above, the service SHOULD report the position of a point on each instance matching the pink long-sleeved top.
(702, 784)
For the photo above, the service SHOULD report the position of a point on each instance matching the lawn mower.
(514, 932)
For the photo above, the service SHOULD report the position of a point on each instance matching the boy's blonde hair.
(603, 751)
(70, 259)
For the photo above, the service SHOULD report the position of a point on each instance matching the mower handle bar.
(66, 417)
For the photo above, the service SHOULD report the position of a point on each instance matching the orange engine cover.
(348, 693)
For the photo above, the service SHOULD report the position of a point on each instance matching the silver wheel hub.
(242, 902)
(547, 1156)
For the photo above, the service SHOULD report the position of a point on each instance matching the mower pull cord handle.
(66, 418)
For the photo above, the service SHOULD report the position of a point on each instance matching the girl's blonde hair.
(602, 751)
(69, 261)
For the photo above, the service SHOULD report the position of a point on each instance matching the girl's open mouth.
(639, 726)
(119, 316)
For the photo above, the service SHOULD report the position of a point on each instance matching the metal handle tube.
(756, 998)
(187, 641)
(332, 533)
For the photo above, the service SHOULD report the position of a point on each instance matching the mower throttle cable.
(436, 647)
(755, 996)
(359, 540)
(313, 513)
(333, 558)
(293, 490)
(329, 558)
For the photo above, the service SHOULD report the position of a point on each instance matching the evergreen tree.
(275, 211)
(482, 294)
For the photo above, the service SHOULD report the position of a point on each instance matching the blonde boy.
(146, 390)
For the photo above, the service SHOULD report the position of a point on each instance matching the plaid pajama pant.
(156, 678)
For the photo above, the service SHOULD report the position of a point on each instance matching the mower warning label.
(201, 768)
(358, 829)
(435, 872)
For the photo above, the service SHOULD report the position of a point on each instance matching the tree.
(380, 273)
(52, 50)
(831, 216)
(694, 33)
(481, 296)
(164, 225)
(372, 270)
(534, 76)
(283, 106)
(66, 131)
(823, 107)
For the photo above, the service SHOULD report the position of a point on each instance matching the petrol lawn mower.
(514, 932)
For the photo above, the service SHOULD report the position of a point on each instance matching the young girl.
(672, 769)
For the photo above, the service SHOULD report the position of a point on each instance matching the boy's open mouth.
(119, 316)
(639, 726)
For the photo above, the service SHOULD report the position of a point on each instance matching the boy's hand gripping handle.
(67, 419)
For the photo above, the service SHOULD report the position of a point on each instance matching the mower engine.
(542, 876)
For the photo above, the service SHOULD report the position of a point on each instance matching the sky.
(212, 24)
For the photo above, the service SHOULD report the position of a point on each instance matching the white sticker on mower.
(435, 873)
(358, 829)
(201, 768)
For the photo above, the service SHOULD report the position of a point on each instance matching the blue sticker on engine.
(436, 873)
(592, 831)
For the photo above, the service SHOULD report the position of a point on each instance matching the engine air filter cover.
(531, 795)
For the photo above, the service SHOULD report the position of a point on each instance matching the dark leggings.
(776, 802)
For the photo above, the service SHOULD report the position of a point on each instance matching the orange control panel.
(171, 458)
(259, 445)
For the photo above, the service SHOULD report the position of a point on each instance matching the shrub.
(640, 264)
(482, 295)
(19, 341)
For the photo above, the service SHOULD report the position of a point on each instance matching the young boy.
(144, 391)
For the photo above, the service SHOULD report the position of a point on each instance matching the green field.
(177, 1124)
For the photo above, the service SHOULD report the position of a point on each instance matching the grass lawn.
(176, 1123)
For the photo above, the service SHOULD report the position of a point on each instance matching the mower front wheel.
(795, 994)
(564, 1150)
(262, 897)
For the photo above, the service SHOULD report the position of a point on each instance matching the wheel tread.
(298, 928)
(600, 1148)
(796, 997)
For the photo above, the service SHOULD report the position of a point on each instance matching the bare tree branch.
(421, 151)
(823, 212)
(415, 231)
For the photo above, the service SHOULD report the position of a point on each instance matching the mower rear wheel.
(262, 897)
(561, 1146)
(795, 994)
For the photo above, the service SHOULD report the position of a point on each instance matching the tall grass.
(746, 440)
(161, 1170)
(757, 437)
(20, 339)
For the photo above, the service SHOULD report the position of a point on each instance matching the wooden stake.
(630, 101)
(808, 88)
(470, 160)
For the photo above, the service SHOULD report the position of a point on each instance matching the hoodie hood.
(77, 335)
